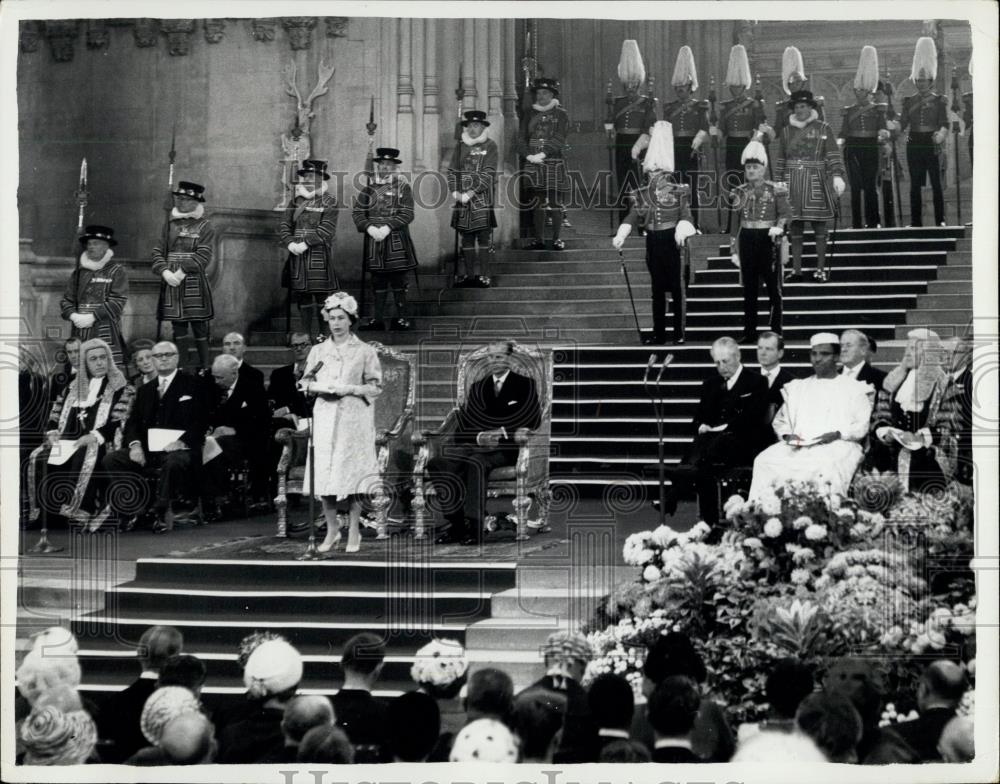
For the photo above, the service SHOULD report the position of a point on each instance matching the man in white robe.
(820, 426)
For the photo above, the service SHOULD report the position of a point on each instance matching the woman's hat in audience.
(164, 704)
(484, 740)
(342, 300)
(51, 662)
(52, 737)
(566, 646)
(191, 190)
(251, 642)
(314, 167)
(275, 666)
(440, 667)
(475, 116)
(95, 232)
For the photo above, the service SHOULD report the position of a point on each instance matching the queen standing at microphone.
(345, 375)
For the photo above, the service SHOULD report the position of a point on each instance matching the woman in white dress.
(345, 385)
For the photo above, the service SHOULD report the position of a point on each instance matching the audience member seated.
(857, 680)
(84, 420)
(833, 723)
(414, 725)
(820, 427)
(950, 415)
(67, 366)
(770, 352)
(769, 747)
(121, 722)
(612, 704)
(496, 407)
(790, 682)
(360, 714)
(938, 695)
(51, 736)
(731, 429)
(484, 740)
(238, 424)
(490, 696)
(326, 746)
(185, 739)
(536, 719)
(272, 677)
(903, 439)
(142, 357)
(235, 345)
(958, 740)
(174, 403)
(624, 751)
(673, 654)
(50, 663)
(856, 350)
(33, 407)
(302, 714)
(671, 710)
(288, 404)
(440, 669)
(163, 706)
(183, 670)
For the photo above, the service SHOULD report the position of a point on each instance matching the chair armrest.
(383, 437)
(523, 435)
(284, 435)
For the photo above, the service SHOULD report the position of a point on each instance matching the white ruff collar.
(468, 141)
(196, 213)
(813, 116)
(96, 266)
(305, 193)
(550, 107)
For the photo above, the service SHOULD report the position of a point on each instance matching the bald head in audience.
(302, 714)
(188, 739)
(941, 686)
(957, 742)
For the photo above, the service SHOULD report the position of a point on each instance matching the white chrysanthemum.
(769, 503)
(935, 639)
(803, 555)
(635, 551)
(816, 533)
(799, 576)
(700, 530)
(802, 521)
(734, 505)
(753, 542)
(773, 528)
(663, 536)
(651, 573)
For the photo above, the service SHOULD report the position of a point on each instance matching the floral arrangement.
(440, 668)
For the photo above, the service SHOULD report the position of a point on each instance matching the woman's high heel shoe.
(325, 548)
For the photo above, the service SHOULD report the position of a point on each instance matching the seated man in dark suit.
(235, 345)
(288, 403)
(238, 423)
(856, 349)
(938, 695)
(770, 351)
(496, 407)
(731, 428)
(175, 401)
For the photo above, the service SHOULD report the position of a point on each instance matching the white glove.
(293, 248)
(619, 239)
(540, 156)
(170, 278)
(893, 125)
(839, 185)
(883, 434)
(840, 142)
(775, 231)
(684, 230)
(383, 232)
(766, 129)
(534, 158)
(640, 144)
(374, 233)
(455, 196)
(713, 130)
(86, 320)
(940, 135)
(699, 139)
(303, 247)
(75, 319)
(734, 257)
(883, 135)
(465, 198)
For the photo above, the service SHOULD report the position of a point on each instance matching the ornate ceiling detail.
(262, 30)
(62, 35)
(336, 26)
(214, 30)
(178, 32)
(145, 32)
(98, 35)
(299, 29)
(31, 36)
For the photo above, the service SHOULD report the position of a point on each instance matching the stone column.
(404, 93)
(495, 64)
(469, 63)
(431, 118)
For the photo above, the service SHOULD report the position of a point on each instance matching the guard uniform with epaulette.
(863, 126)
(689, 119)
(383, 211)
(632, 117)
(762, 212)
(185, 293)
(472, 180)
(925, 116)
(663, 209)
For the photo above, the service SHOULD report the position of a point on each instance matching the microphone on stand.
(309, 376)
(658, 410)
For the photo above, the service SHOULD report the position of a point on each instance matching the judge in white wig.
(662, 209)
(821, 425)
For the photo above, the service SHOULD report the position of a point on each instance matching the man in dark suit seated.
(496, 407)
(235, 345)
(731, 428)
(238, 424)
(174, 402)
(938, 695)
(856, 349)
(770, 351)
(288, 404)
(672, 708)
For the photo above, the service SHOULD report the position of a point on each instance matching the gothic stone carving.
(178, 32)
(98, 35)
(336, 27)
(299, 29)
(262, 29)
(214, 30)
(145, 32)
(31, 36)
(61, 35)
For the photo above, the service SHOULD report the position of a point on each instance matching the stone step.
(961, 272)
(949, 287)
(943, 329)
(935, 300)
(928, 317)
(510, 633)
(561, 605)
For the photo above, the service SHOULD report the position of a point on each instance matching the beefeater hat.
(791, 63)
(631, 70)
(190, 189)
(924, 60)
(867, 76)
(660, 152)
(754, 152)
(685, 71)
(738, 72)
